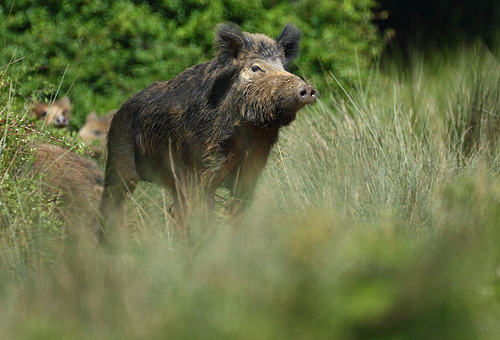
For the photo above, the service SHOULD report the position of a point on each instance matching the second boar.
(73, 181)
(57, 113)
(95, 131)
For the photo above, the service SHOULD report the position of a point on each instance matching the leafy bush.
(99, 53)
(369, 220)
(29, 214)
(367, 223)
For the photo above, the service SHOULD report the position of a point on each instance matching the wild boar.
(57, 113)
(213, 124)
(95, 131)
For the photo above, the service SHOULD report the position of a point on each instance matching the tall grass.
(377, 216)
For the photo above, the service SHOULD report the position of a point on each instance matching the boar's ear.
(38, 110)
(64, 102)
(289, 41)
(109, 116)
(229, 40)
(91, 117)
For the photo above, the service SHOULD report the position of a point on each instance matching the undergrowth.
(377, 217)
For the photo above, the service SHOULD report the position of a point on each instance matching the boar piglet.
(57, 113)
(212, 125)
(75, 182)
(95, 131)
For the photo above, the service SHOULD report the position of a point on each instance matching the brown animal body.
(95, 131)
(214, 124)
(57, 113)
(75, 182)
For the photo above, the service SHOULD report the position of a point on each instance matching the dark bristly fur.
(213, 124)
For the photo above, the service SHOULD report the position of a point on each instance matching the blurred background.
(377, 215)
(102, 52)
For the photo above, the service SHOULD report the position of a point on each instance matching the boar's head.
(252, 80)
(57, 113)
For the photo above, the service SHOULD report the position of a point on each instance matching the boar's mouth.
(271, 115)
(278, 109)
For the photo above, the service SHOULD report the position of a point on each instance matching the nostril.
(61, 121)
(307, 94)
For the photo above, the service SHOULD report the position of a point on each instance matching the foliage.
(101, 52)
(28, 214)
(377, 216)
(423, 24)
(373, 219)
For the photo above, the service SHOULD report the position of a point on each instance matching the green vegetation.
(377, 217)
(101, 52)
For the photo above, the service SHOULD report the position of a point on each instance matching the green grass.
(377, 217)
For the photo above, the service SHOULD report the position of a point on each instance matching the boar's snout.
(61, 121)
(306, 94)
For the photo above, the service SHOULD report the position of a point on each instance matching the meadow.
(377, 217)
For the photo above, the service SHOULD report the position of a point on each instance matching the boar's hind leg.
(119, 181)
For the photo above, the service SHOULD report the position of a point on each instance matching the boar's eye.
(256, 68)
(43, 114)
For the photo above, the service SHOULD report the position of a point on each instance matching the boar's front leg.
(193, 202)
(253, 151)
(243, 184)
(241, 194)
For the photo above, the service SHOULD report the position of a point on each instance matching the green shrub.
(99, 53)
(29, 215)
(369, 222)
